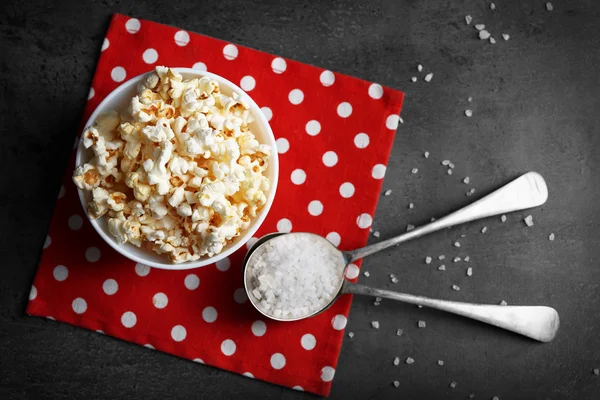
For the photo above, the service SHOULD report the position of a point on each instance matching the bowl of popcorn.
(176, 168)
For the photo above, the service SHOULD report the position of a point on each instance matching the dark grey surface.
(536, 100)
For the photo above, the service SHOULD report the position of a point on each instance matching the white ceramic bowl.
(119, 100)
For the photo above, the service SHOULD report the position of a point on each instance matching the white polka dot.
(128, 319)
(150, 56)
(228, 347)
(230, 52)
(308, 341)
(247, 83)
(282, 145)
(251, 242)
(92, 254)
(277, 361)
(330, 159)
(79, 305)
(51, 318)
(361, 140)
(105, 44)
(313, 127)
(223, 264)
(315, 207)
(178, 333)
(91, 93)
(209, 314)
(61, 192)
(378, 171)
(160, 300)
(100, 331)
(191, 282)
(375, 91)
(47, 242)
(132, 25)
(344, 109)
(284, 225)
(75, 222)
(198, 360)
(352, 271)
(279, 65)
(334, 238)
(392, 122)
(32, 293)
(60, 273)
(182, 38)
(364, 221)
(327, 374)
(296, 96)
(110, 287)
(148, 345)
(267, 112)
(118, 74)
(339, 322)
(298, 177)
(142, 269)
(347, 190)
(327, 78)
(248, 374)
(259, 328)
(298, 388)
(240, 296)
(200, 66)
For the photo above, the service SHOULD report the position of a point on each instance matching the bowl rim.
(258, 221)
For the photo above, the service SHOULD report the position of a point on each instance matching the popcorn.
(181, 173)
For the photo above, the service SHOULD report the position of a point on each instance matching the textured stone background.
(536, 101)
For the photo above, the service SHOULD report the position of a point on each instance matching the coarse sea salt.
(293, 276)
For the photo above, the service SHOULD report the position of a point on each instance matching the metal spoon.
(537, 322)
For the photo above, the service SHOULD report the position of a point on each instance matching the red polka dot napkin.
(334, 136)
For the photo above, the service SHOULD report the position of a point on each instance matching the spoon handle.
(537, 322)
(529, 190)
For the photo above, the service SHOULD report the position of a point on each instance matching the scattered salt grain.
(451, 165)
(292, 276)
(387, 192)
(466, 180)
(378, 299)
(505, 36)
(410, 360)
(422, 324)
(432, 219)
(414, 79)
(492, 40)
(419, 306)
(399, 332)
(495, 398)
(469, 113)
(596, 371)
(528, 220)
(427, 260)
(469, 271)
(376, 234)
(456, 244)
(492, 6)
(409, 227)
(428, 77)
(401, 120)
(480, 27)
(551, 237)
(503, 218)
(442, 267)
(471, 396)
(470, 99)
(366, 273)
(411, 205)
(376, 303)
(441, 257)
(415, 170)
(549, 6)
(445, 162)
(503, 303)
(456, 259)
(467, 258)
(350, 335)
(484, 35)
(397, 361)
(463, 236)
(450, 171)
(484, 229)
(394, 280)
(419, 68)
(453, 384)
(375, 324)
(440, 362)
(455, 287)
(396, 383)
(426, 154)
(468, 19)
